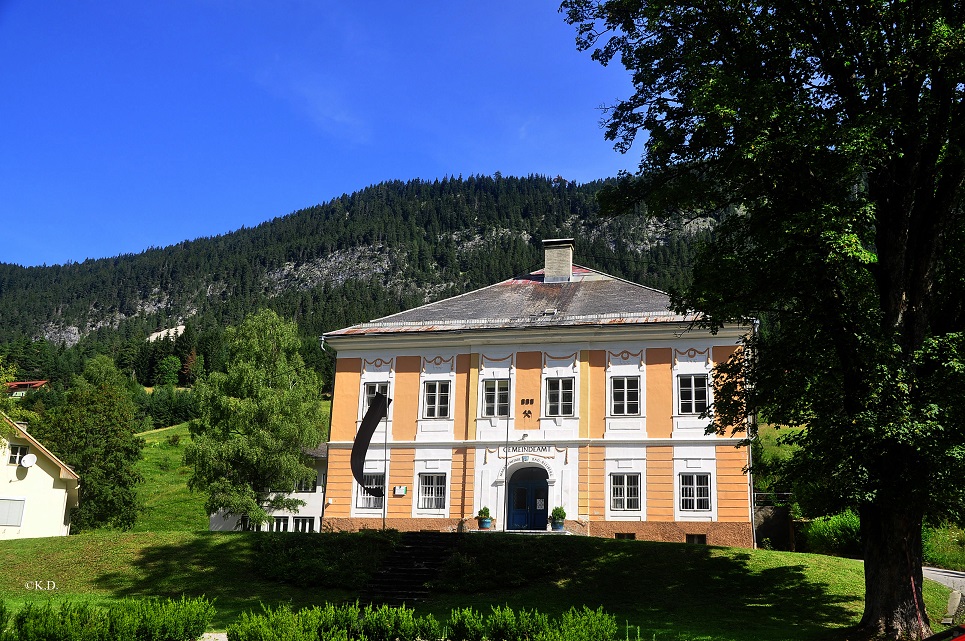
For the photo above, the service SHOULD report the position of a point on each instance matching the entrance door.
(528, 492)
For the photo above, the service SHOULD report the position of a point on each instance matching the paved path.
(951, 578)
(214, 636)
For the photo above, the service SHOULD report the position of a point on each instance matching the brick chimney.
(558, 266)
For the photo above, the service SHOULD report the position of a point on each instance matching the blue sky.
(130, 124)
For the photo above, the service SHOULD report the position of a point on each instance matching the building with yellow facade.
(564, 387)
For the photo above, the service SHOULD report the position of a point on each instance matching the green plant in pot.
(484, 518)
(557, 516)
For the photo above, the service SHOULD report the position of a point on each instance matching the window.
(625, 536)
(278, 524)
(11, 512)
(432, 491)
(559, 397)
(496, 397)
(697, 539)
(305, 486)
(303, 524)
(624, 491)
(366, 500)
(625, 395)
(693, 393)
(17, 452)
(370, 390)
(436, 399)
(695, 492)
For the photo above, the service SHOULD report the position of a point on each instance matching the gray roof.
(590, 298)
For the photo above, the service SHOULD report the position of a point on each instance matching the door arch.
(528, 499)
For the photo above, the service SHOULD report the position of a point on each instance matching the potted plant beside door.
(557, 516)
(484, 519)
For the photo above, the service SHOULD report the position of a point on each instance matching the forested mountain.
(388, 247)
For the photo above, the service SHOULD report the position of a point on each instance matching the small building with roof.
(37, 489)
(565, 387)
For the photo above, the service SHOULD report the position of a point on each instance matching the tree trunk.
(891, 533)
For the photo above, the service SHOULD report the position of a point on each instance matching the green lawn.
(671, 591)
(167, 504)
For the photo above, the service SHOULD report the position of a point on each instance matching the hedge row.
(382, 623)
(143, 620)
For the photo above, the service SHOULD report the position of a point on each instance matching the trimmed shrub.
(466, 625)
(149, 620)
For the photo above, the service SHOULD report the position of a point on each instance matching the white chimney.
(558, 266)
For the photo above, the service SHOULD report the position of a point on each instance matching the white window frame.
(692, 389)
(620, 500)
(278, 524)
(369, 390)
(306, 487)
(303, 524)
(496, 408)
(17, 452)
(694, 497)
(436, 390)
(364, 500)
(552, 381)
(432, 491)
(8, 509)
(625, 402)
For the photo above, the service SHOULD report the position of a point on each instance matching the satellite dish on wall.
(29, 460)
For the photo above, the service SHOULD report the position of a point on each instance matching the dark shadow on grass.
(216, 565)
(673, 590)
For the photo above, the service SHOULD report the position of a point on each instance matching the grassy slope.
(672, 591)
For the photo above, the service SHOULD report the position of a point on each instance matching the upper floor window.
(17, 452)
(305, 486)
(432, 491)
(695, 492)
(625, 396)
(495, 397)
(624, 491)
(693, 392)
(436, 399)
(371, 389)
(559, 396)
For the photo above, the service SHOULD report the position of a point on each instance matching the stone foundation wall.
(724, 534)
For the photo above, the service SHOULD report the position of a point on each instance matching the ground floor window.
(695, 492)
(278, 524)
(366, 500)
(432, 491)
(11, 512)
(624, 491)
(303, 523)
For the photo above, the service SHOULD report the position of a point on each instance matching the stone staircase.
(416, 560)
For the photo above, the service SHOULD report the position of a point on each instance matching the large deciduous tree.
(827, 137)
(257, 419)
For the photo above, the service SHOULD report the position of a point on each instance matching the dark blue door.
(527, 499)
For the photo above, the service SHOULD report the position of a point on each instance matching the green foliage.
(335, 560)
(94, 433)
(256, 420)
(839, 535)
(167, 371)
(793, 122)
(558, 513)
(466, 624)
(944, 547)
(147, 620)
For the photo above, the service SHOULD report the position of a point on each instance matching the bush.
(466, 625)
(838, 535)
(944, 547)
(149, 620)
